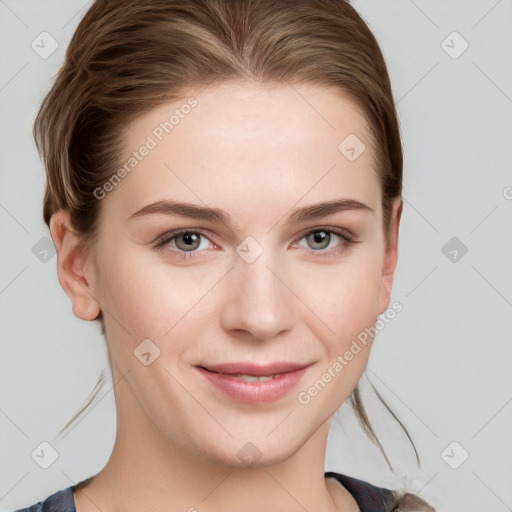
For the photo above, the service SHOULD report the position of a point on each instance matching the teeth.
(254, 378)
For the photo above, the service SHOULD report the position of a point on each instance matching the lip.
(289, 374)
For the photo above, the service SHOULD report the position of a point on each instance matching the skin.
(257, 152)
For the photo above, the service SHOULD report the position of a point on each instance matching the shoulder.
(61, 501)
(369, 497)
(372, 498)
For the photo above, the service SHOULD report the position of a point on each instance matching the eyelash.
(167, 237)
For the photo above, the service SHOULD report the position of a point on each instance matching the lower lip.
(254, 392)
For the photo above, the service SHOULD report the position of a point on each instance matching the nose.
(259, 300)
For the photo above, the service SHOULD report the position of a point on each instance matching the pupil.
(190, 240)
(188, 237)
(320, 236)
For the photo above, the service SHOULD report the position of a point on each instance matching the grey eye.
(320, 237)
(191, 241)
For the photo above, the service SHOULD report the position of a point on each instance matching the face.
(246, 277)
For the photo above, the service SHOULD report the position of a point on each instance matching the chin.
(251, 451)
(251, 455)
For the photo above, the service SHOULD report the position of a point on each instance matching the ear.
(390, 256)
(74, 274)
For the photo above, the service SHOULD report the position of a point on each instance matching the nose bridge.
(259, 301)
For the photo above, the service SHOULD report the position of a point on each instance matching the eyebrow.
(194, 211)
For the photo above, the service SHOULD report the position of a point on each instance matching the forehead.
(235, 142)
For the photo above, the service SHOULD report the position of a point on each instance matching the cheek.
(345, 297)
(151, 298)
(348, 306)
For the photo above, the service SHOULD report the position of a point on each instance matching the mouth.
(254, 383)
(253, 378)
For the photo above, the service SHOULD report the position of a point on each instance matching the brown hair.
(129, 56)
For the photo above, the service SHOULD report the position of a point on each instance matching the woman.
(224, 194)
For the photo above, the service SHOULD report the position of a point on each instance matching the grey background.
(443, 364)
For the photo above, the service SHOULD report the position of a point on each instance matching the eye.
(320, 239)
(184, 242)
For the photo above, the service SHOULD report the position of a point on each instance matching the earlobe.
(74, 275)
(390, 256)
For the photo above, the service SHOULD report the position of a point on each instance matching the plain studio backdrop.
(443, 362)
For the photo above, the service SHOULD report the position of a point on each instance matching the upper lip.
(249, 368)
